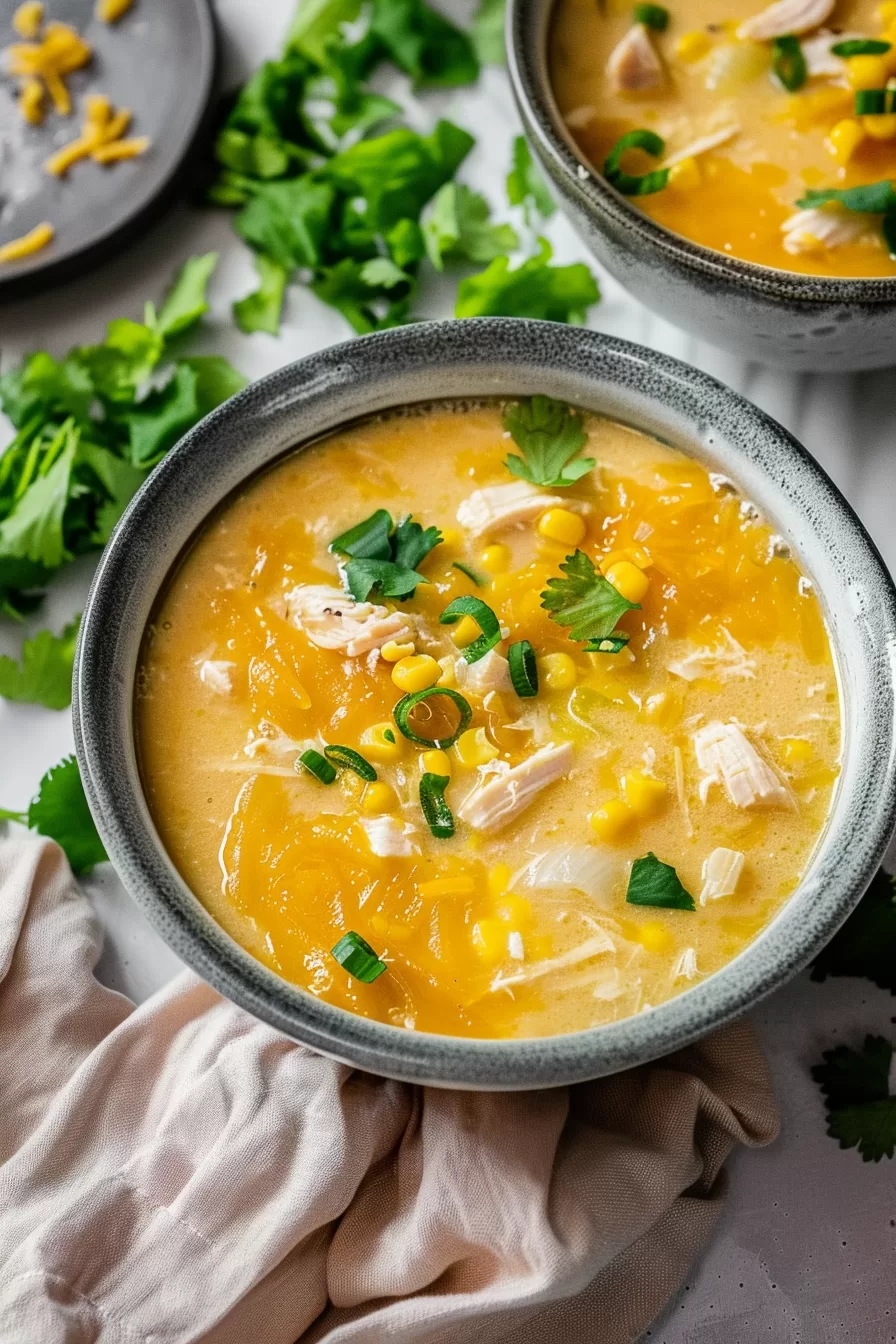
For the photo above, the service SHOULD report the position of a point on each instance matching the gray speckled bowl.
(492, 357)
(780, 317)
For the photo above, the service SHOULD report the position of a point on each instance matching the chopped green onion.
(523, 669)
(652, 882)
(405, 707)
(439, 817)
(352, 760)
(789, 63)
(875, 102)
(889, 232)
(315, 764)
(356, 956)
(652, 16)
(471, 574)
(611, 644)
(388, 735)
(860, 46)
(629, 183)
(484, 617)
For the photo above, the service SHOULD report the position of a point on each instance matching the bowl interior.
(487, 358)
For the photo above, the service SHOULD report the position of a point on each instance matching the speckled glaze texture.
(493, 357)
(779, 317)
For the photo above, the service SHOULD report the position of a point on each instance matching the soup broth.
(625, 820)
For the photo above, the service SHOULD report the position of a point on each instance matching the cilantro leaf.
(260, 310)
(32, 542)
(44, 676)
(368, 540)
(875, 198)
(124, 361)
(549, 433)
(412, 543)
(317, 23)
(424, 44)
(159, 421)
(216, 380)
(585, 601)
(855, 1085)
(118, 479)
(488, 32)
(41, 384)
(864, 945)
(533, 289)
(288, 220)
(526, 186)
(186, 300)
(60, 811)
(354, 288)
(652, 882)
(362, 576)
(457, 227)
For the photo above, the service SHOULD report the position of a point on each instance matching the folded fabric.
(179, 1172)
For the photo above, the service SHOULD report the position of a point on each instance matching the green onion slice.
(652, 16)
(389, 735)
(611, 644)
(315, 764)
(439, 817)
(414, 711)
(629, 183)
(471, 574)
(356, 956)
(352, 760)
(484, 617)
(889, 230)
(789, 63)
(523, 669)
(875, 102)
(860, 46)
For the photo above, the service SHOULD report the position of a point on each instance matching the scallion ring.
(356, 956)
(471, 574)
(523, 669)
(439, 817)
(629, 183)
(315, 764)
(860, 46)
(652, 16)
(789, 63)
(406, 706)
(484, 617)
(875, 102)
(352, 760)
(610, 644)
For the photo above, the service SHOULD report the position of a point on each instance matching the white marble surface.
(804, 1253)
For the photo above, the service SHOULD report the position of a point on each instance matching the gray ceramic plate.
(158, 60)
(493, 357)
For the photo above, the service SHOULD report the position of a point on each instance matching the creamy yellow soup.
(700, 755)
(743, 151)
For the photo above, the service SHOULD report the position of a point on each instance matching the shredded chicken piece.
(595, 946)
(580, 117)
(786, 17)
(488, 674)
(686, 965)
(496, 507)
(390, 838)
(822, 226)
(682, 792)
(819, 58)
(215, 674)
(724, 660)
(704, 144)
(721, 874)
(332, 620)
(727, 757)
(634, 65)
(493, 805)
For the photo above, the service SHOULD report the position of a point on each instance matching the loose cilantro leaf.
(864, 945)
(370, 296)
(362, 576)
(532, 289)
(488, 32)
(424, 44)
(549, 433)
(855, 1084)
(44, 676)
(457, 227)
(159, 421)
(398, 172)
(369, 540)
(526, 186)
(875, 198)
(288, 220)
(652, 882)
(32, 540)
(216, 380)
(585, 601)
(186, 301)
(412, 543)
(260, 310)
(124, 361)
(59, 810)
(41, 384)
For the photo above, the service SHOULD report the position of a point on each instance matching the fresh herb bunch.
(384, 556)
(89, 429)
(59, 810)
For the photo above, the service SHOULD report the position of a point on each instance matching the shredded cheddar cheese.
(28, 244)
(100, 138)
(28, 18)
(110, 11)
(59, 52)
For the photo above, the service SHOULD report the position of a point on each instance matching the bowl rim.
(526, 26)
(480, 357)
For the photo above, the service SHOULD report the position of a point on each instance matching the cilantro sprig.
(860, 1111)
(549, 434)
(384, 555)
(526, 186)
(864, 945)
(44, 674)
(535, 288)
(652, 882)
(59, 810)
(588, 604)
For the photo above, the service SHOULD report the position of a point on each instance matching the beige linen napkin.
(180, 1172)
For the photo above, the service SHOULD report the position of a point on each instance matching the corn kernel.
(379, 798)
(612, 820)
(417, 673)
(685, 175)
(636, 555)
(465, 632)
(448, 675)
(473, 748)
(881, 127)
(393, 653)
(499, 879)
(379, 925)
(562, 525)
(495, 559)
(644, 794)
(436, 763)
(628, 580)
(557, 671)
(693, 46)
(844, 139)
(886, 13)
(514, 910)
(796, 750)
(654, 937)
(867, 72)
(378, 747)
(490, 939)
(438, 887)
